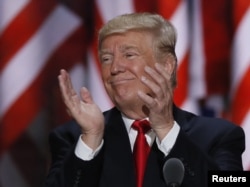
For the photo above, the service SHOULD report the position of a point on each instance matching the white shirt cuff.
(169, 140)
(84, 152)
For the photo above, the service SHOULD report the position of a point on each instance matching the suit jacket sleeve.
(66, 169)
(221, 151)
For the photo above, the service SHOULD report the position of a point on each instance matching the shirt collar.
(128, 122)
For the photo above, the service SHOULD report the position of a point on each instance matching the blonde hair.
(163, 31)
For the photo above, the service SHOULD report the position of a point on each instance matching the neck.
(134, 112)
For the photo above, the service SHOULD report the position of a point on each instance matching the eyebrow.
(124, 48)
(104, 52)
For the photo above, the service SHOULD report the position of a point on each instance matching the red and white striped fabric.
(178, 13)
(210, 53)
(240, 90)
(37, 38)
(211, 56)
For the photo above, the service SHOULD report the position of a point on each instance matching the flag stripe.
(146, 6)
(108, 13)
(241, 105)
(240, 90)
(13, 99)
(180, 21)
(24, 115)
(35, 92)
(197, 82)
(181, 91)
(34, 56)
(240, 8)
(240, 50)
(9, 10)
(55, 39)
(217, 54)
(25, 25)
(168, 8)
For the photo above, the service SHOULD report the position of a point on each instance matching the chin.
(126, 99)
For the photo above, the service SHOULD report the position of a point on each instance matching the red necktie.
(141, 149)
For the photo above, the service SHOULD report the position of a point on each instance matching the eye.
(130, 55)
(106, 59)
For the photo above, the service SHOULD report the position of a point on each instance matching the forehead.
(127, 40)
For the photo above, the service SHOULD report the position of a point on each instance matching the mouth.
(120, 81)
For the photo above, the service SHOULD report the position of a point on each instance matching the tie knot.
(142, 126)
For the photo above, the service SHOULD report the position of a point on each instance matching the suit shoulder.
(212, 129)
(69, 126)
(69, 130)
(188, 120)
(209, 127)
(215, 123)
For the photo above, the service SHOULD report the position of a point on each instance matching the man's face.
(123, 58)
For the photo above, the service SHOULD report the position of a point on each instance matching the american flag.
(240, 87)
(39, 37)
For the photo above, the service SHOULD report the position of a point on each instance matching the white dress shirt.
(84, 152)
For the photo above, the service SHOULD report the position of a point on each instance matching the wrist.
(92, 140)
(162, 131)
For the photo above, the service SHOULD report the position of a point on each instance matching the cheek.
(137, 70)
(105, 72)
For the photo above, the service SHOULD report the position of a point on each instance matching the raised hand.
(83, 109)
(159, 105)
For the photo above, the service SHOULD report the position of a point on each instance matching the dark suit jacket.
(203, 144)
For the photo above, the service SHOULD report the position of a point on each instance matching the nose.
(117, 66)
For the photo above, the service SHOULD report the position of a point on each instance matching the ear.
(169, 63)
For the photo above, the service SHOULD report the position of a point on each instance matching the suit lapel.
(153, 173)
(183, 118)
(118, 160)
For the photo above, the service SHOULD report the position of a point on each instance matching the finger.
(155, 88)
(161, 70)
(63, 83)
(167, 76)
(66, 80)
(161, 77)
(158, 84)
(62, 79)
(156, 76)
(86, 96)
(149, 101)
(68, 93)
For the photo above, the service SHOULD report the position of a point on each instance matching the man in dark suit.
(137, 55)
